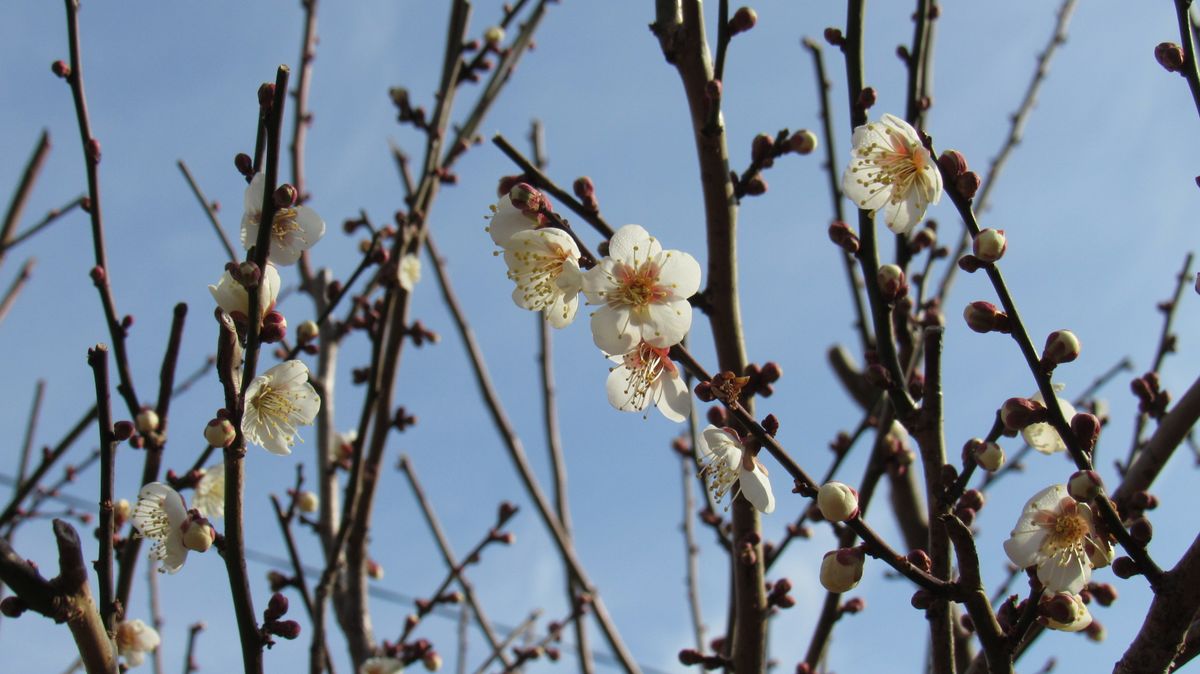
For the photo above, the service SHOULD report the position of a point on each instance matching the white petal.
(312, 226)
(669, 323)
(597, 281)
(613, 330)
(288, 374)
(632, 243)
(718, 443)
(1025, 549)
(562, 312)
(1069, 577)
(680, 272)
(910, 134)
(868, 196)
(620, 394)
(756, 487)
(675, 400)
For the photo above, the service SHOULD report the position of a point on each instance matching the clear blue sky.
(1098, 202)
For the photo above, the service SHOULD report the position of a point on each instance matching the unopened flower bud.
(1017, 413)
(13, 606)
(757, 186)
(1064, 611)
(219, 433)
(989, 456)
(972, 498)
(892, 282)
(967, 184)
(584, 188)
(841, 234)
(432, 661)
(374, 569)
(493, 36)
(838, 502)
(525, 197)
(984, 317)
(147, 421)
(842, 569)
(285, 196)
(771, 424)
(1141, 530)
(274, 327)
(286, 629)
(1104, 593)
(867, 97)
(61, 69)
(920, 559)
(855, 605)
(307, 502)
(802, 142)
(1170, 56)
(921, 600)
(277, 607)
(1125, 567)
(952, 163)
(121, 512)
(1087, 430)
(761, 147)
(244, 164)
(833, 36)
(1095, 631)
(198, 534)
(249, 275)
(307, 331)
(122, 430)
(1062, 346)
(990, 244)
(742, 20)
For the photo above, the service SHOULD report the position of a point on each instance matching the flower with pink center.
(642, 291)
(892, 170)
(647, 375)
(544, 263)
(1058, 535)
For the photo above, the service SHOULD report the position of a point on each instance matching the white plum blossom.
(295, 229)
(726, 463)
(341, 441)
(1042, 436)
(209, 498)
(381, 665)
(1057, 534)
(508, 218)
(642, 291)
(892, 170)
(647, 375)
(408, 272)
(234, 300)
(1067, 606)
(544, 263)
(134, 640)
(161, 516)
(278, 401)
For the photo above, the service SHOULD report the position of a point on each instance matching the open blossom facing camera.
(892, 170)
(234, 300)
(727, 465)
(209, 498)
(295, 229)
(134, 640)
(1057, 535)
(642, 291)
(160, 515)
(278, 401)
(1042, 436)
(544, 263)
(647, 375)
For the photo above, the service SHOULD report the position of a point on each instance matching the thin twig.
(18, 284)
(20, 196)
(30, 429)
(48, 219)
(98, 361)
(209, 210)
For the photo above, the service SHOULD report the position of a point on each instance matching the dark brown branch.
(47, 462)
(189, 656)
(98, 361)
(51, 216)
(1171, 431)
(974, 597)
(1191, 69)
(16, 205)
(1171, 613)
(30, 429)
(539, 180)
(519, 630)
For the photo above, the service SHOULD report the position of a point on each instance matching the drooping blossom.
(234, 300)
(647, 375)
(134, 640)
(209, 498)
(1042, 436)
(517, 211)
(642, 291)
(278, 401)
(728, 466)
(1058, 535)
(892, 170)
(160, 516)
(295, 229)
(544, 263)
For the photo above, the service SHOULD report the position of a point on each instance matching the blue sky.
(1098, 203)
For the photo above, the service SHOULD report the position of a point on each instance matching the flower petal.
(675, 400)
(680, 272)
(668, 323)
(756, 487)
(632, 243)
(613, 330)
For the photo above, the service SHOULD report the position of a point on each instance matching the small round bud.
(493, 36)
(973, 499)
(984, 317)
(431, 661)
(284, 196)
(989, 456)
(841, 234)
(1141, 530)
(920, 559)
(953, 164)
(921, 600)
(867, 97)
(147, 421)
(1087, 429)
(219, 433)
(802, 142)
(274, 327)
(1062, 346)
(122, 430)
(121, 512)
(307, 502)
(248, 274)
(989, 245)
(1104, 593)
(98, 275)
(307, 331)
(13, 607)
(838, 502)
(842, 569)
(244, 164)
(584, 188)
(1095, 631)
(1125, 567)
(742, 20)
(92, 150)
(833, 36)
(277, 607)
(61, 69)
(286, 629)
(761, 147)
(756, 186)
(266, 95)
(1017, 413)
(771, 424)
(967, 184)
(1170, 56)
(198, 533)
(374, 569)
(892, 282)
(1064, 611)
(690, 657)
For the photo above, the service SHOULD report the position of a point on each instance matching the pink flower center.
(638, 287)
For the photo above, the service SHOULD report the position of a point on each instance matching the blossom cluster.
(640, 291)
